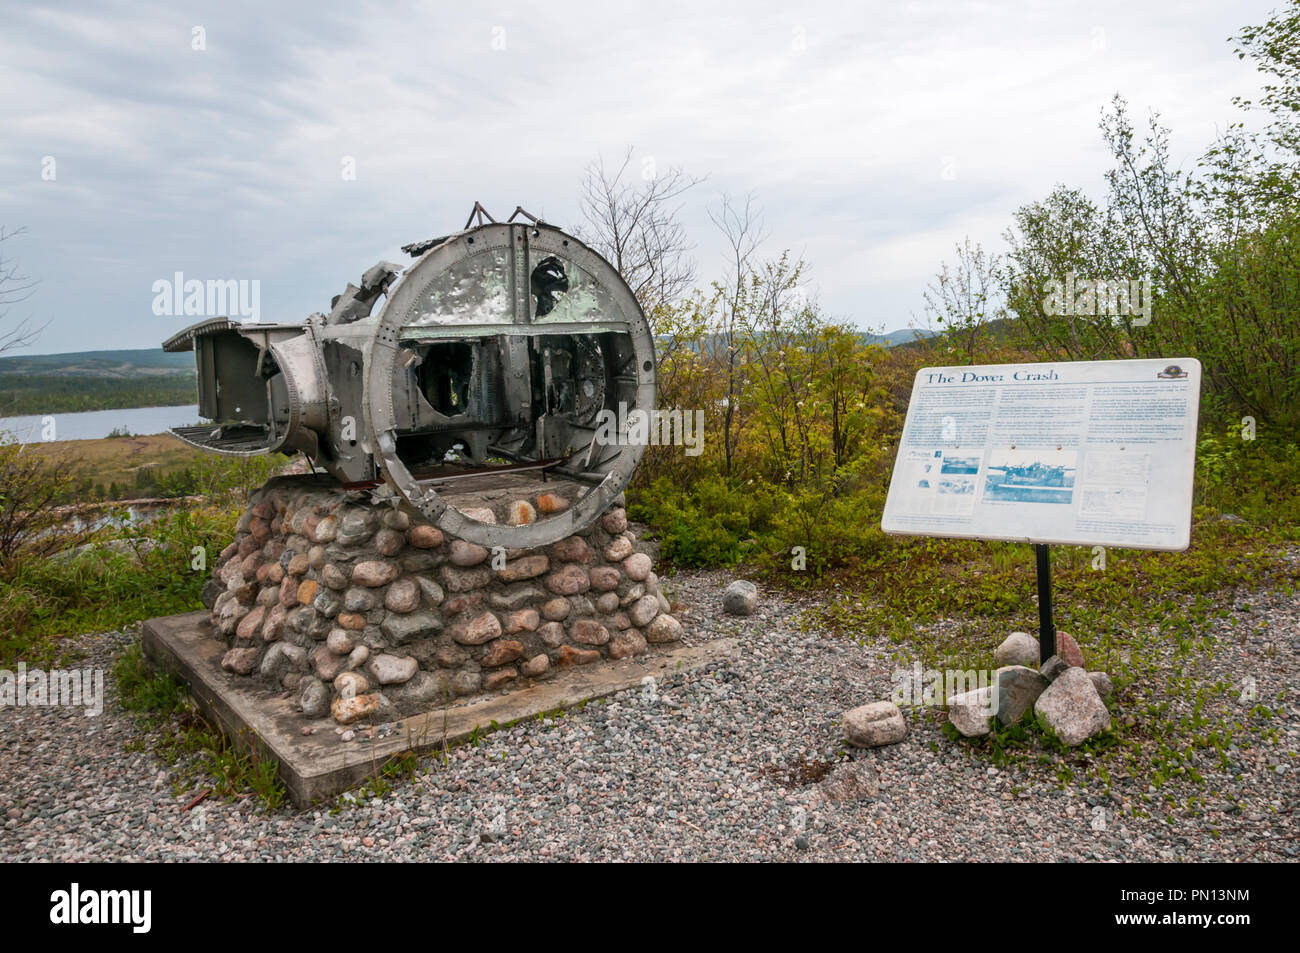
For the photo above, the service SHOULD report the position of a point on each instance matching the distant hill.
(996, 331)
(901, 336)
(94, 380)
(149, 361)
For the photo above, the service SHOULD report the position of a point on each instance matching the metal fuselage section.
(502, 346)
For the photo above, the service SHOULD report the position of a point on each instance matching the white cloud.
(840, 118)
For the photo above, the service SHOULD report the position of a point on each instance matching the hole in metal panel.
(549, 280)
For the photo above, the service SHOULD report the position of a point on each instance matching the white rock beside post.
(1018, 648)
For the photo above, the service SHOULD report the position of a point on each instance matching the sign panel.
(1075, 452)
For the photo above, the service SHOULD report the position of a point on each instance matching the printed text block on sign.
(1074, 452)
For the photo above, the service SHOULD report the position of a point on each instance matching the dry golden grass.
(118, 459)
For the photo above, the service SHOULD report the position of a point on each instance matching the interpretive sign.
(1075, 452)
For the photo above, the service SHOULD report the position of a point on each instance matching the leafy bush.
(214, 476)
(145, 690)
(149, 571)
(1256, 479)
(32, 491)
(712, 523)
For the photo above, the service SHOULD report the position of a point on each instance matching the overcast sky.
(228, 162)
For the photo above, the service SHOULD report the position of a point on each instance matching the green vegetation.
(145, 691)
(22, 395)
(95, 380)
(120, 363)
(799, 416)
(802, 420)
(123, 467)
(108, 578)
(43, 601)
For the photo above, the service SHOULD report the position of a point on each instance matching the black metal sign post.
(1046, 625)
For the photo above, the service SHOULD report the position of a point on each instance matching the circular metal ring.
(502, 280)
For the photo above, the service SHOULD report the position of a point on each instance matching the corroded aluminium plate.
(478, 282)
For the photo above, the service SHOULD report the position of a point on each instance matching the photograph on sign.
(1074, 452)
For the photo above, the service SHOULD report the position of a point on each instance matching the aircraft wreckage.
(493, 354)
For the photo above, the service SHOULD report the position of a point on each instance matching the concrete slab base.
(319, 766)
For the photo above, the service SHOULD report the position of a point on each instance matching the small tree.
(636, 227)
(15, 286)
(742, 229)
(965, 297)
(33, 487)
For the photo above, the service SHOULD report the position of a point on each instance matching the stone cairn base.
(366, 614)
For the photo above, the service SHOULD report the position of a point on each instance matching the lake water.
(94, 424)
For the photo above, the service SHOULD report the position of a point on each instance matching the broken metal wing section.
(261, 385)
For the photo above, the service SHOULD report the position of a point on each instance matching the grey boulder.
(740, 598)
(1053, 667)
(1018, 688)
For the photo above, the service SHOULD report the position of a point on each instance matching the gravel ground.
(704, 767)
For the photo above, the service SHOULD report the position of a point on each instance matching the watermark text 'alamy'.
(642, 428)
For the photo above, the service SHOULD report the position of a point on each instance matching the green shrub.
(714, 522)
